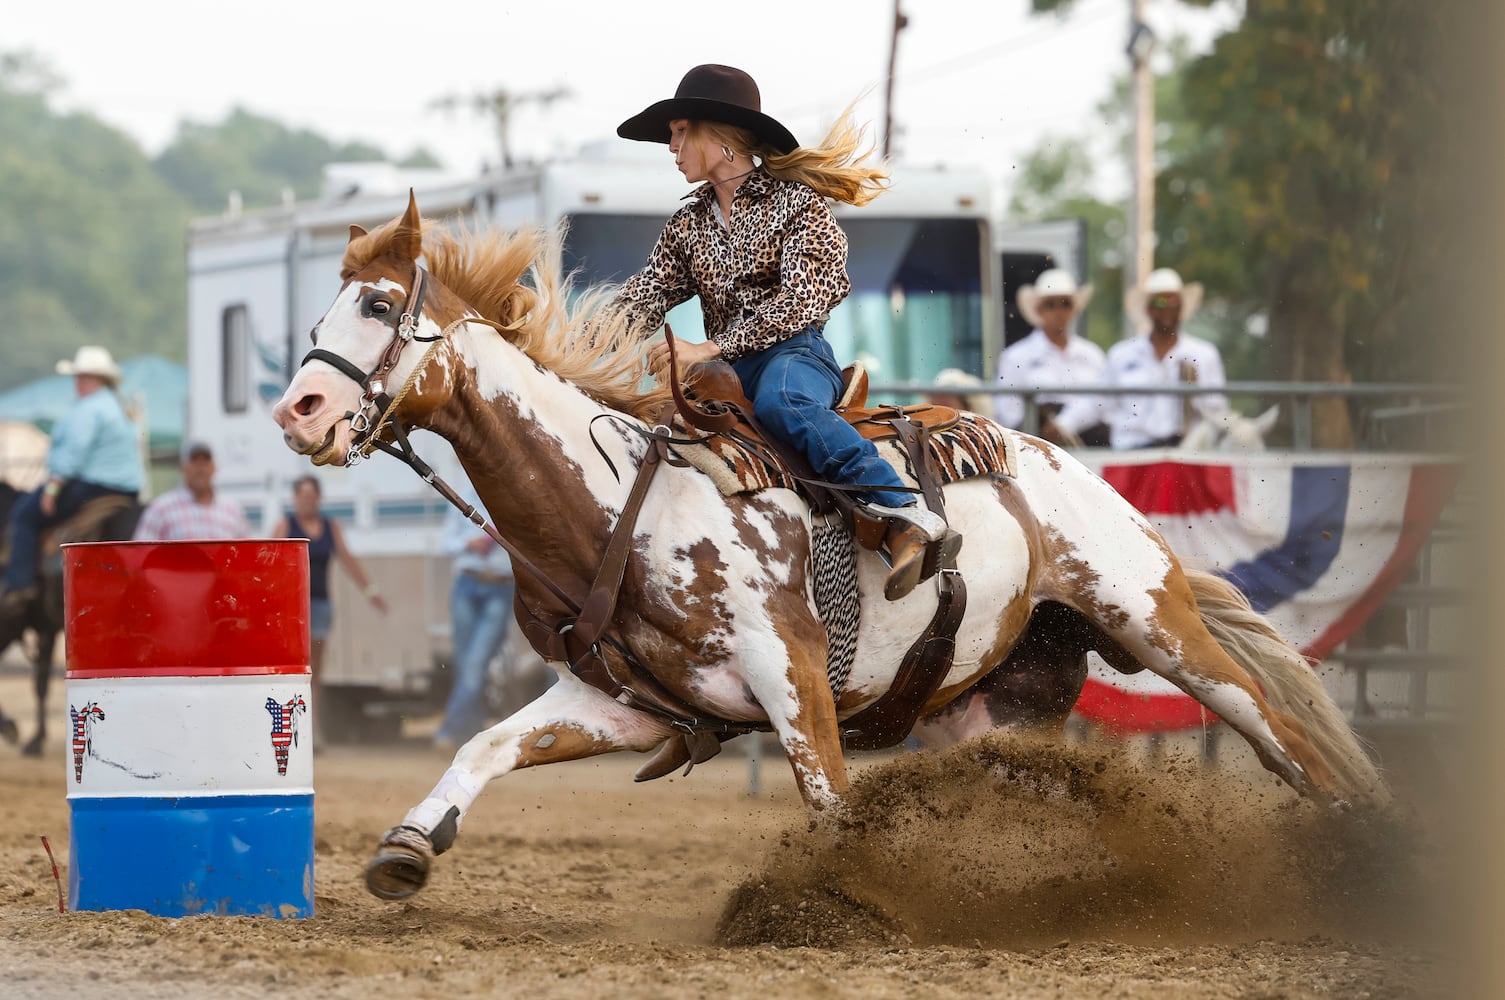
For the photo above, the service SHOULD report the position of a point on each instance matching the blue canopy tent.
(157, 384)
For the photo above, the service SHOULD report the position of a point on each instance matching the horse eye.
(380, 307)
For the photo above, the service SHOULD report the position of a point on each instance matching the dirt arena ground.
(995, 869)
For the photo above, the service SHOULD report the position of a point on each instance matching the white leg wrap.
(457, 788)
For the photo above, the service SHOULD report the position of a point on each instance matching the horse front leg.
(569, 721)
(41, 682)
(802, 712)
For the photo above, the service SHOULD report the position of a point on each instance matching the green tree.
(92, 229)
(1055, 181)
(1302, 187)
(91, 239)
(258, 157)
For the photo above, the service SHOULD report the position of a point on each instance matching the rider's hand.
(685, 355)
(48, 503)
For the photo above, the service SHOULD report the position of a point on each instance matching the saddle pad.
(974, 446)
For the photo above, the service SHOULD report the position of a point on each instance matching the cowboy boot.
(911, 532)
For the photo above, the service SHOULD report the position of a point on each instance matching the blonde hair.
(831, 169)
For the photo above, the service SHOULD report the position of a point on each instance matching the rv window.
(916, 300)
(235, 355)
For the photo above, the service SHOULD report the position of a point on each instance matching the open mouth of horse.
(321, 453)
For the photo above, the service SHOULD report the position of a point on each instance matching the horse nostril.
(307, 405)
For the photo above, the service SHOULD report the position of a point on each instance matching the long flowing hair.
(834, 169)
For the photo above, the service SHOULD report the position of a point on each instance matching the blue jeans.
(479, 616)
(27, 522)
(793, 386)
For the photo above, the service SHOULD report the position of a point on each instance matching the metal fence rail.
(1409, 400)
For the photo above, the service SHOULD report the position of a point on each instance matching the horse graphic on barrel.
(83, 734)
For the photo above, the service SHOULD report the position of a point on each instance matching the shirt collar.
(757, 184)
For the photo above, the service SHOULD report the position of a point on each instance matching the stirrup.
(928, 521)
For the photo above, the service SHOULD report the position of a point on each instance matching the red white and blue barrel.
(190, 767)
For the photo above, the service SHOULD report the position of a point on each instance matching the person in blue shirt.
(95, 452)
(480, 609)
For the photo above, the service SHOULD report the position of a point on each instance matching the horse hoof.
(396, 874)
(8, 731)
(33, 747)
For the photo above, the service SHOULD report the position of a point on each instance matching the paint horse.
(541, 394)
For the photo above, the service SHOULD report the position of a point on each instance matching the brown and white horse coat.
(717, 597)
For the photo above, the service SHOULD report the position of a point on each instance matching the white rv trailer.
(923, 272)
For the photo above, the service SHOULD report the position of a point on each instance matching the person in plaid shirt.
(192, 512)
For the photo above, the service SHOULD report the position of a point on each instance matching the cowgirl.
(759, 246)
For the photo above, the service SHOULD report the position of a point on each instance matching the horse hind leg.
(569, 721)
(1170, 638)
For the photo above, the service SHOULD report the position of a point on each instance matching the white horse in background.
(1232, 431)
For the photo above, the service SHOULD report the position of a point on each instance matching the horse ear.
(356, 232)
(408, 241)
(1266, 420)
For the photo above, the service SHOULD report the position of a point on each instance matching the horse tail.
(1289, 684)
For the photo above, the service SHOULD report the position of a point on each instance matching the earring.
(730, 156)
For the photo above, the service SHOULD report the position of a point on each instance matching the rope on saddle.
(834, 555)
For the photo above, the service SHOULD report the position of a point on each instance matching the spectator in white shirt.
(1166, 355)
(1053, 356)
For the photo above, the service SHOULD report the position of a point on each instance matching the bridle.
(376, 404)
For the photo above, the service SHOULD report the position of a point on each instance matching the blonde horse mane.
(518, 281)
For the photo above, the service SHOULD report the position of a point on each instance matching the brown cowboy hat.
(710, 93)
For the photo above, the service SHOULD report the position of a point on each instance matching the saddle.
(711, 400)
(91, 523)
(717, 404)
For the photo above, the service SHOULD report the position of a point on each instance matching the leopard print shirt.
(779, 267)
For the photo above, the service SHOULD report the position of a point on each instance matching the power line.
(1017, 43)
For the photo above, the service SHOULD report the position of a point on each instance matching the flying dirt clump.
(1013, 843)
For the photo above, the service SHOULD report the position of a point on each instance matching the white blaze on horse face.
(342, 331)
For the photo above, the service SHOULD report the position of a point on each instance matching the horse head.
(368, 344)
(401, 337)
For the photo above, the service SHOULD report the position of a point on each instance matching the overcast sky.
(979, 82)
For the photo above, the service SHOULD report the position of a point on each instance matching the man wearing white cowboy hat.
(1166, 355)
(94, 453)
(1053, 355)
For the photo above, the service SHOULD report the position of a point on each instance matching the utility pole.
(901, 21)
(1141, 255)
(499, 105)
